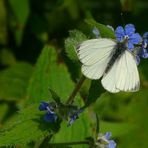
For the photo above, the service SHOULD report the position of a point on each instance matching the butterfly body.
(115, 55)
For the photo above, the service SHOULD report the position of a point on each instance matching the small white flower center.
(126, 37)
(49, 110)
(145, 45)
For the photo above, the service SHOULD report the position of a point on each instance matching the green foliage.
(3, 34)
(3, 111)
(125, 117)
(55, 97)
(28, 126)
(75, 38)
(72, 7)
(25, 27)
(78, 131)
(95, 92)
(49, 74)
(104, 30)
(7, 57)
(27, 122)
(14, 81)
(21, 11)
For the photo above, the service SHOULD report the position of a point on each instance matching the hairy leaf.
(72, 42)
(49, 74)
(28, 126)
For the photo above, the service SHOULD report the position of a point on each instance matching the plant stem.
(75, 91)
(69, 143)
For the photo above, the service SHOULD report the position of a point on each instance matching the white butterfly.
(110, 60)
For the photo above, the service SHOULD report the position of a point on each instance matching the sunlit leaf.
(14, 81)
(49, 74)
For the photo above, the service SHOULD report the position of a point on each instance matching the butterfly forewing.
(94, 50)
(95, 54)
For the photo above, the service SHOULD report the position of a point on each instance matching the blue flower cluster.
(50, 115)
(128, 34)
(104, 141)
(96, 32)
(75, 116)
(134, 40)
(135, 43)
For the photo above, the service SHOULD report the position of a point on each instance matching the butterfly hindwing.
(127, 76)
(123, 76)
(109, 79)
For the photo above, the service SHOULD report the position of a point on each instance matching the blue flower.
(50, 115)
(128, 36)
(105, 142)
(75, 116)
(137, 59)
(111, 143)
(43, 106)
(144, 53)
(96, 32)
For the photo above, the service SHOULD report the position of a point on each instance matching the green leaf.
(3, 111)
(55, 96)
(104, 30)
(95, 92)
(3, 29)
(117, 128)
(49, 74)
(79, 130)
(7, 57)
(14, 81)
(21, 11)
(28, 126)
(72, 7)
(72, 42)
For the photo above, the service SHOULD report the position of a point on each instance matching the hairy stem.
(75, 91)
